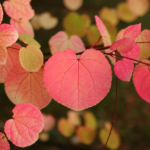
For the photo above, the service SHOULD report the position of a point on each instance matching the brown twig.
(114, 111)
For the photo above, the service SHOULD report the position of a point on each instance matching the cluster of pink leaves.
(21, 86)
(78, 82)
(86, 79)
(20, 13)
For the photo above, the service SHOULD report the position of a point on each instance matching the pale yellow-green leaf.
(109, 14)
(112, 30)
(124, 13)
(93, 35)
(90, 119)
(31, 58)
(85, 134)
(28, 40)
(114, 140)
(144, 47)
(65, 127)
(75, 24)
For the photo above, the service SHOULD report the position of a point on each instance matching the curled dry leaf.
(26, 87)
(23, 27)
(47, 21)
(142, 82)
(24, 128)
(123, 69)
(4, 145)
(18, 10)
(74, 118)
(109, 14)
(73, 4)
(90, 75)
(60, 42)
(85, 134)
(31, 58)
(124, 13)
(8, 34)
(138, 7)
(35, 22)
(1, 14)
(105, 36)
(75, 24)
(124, 45)
(90, 120)
(114, 140)
(144, 47)
(93, 35)
(28, 40)
(12, 60)
(3, 54)
(65, 127)
(49, 122)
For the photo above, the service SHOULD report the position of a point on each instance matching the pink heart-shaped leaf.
(105, 36)
(123, 69)
(1, 13)
(142, 82)
(18, 9)
(26, 87)
(23, 27)
(124, 45)
(60, 42)
(24, 128)
(132, 31)
(139, 67)
(8, 34)
(4, 145)
(3, 54)
(134, 53)
(12, 60)
(78, 83)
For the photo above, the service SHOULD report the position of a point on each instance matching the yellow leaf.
(75, 24)
(31, 58)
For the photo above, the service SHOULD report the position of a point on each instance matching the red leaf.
(23, 27)
(60, 42)
(139, 67)
(124, 45)
(3, 54)
(4, 145)
(142, 84)
(132, 31)
(123, 69)
(78, 83)
(18, 9)
(1, 13)
(8, 34)
(26, 87)
(134, 53)
(25, 126)
(12, 60)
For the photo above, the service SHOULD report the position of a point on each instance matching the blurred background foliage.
(87, 130)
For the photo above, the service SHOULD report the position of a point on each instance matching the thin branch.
(114, 111)
(2, 119)
(96, 42)
(127, 58)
